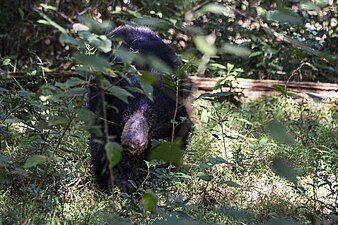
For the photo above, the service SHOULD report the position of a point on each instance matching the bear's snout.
(134, 137)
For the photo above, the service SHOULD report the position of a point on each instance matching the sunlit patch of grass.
(226, 178)
(247, 179)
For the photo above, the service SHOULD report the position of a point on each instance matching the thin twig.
(45, 174)
(175, 113)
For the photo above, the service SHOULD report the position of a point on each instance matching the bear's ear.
(122, 34)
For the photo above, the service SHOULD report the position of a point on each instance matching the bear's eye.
(151, 118)
(126, 115)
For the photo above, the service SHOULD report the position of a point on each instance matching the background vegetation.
(269, 161)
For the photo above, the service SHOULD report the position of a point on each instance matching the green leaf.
(41, 125)
(263, 141)
(308, 6)
(22, 14)
(96, 63)
(156, 64)
(125, 56)
(43, 22)
(183, 176)
(238, 214)
(216, 160)
(217, 66)
(217, 9)
(13, 119)
(24, 93)
(72, 92)
(256, 53)
(48, 21)
(80, 27)
(71, 82)
(134, 89)
(260, 10)
(315, 97)
(311, 66)
(114, 153)
(214, 8)
(148, 201)
(66, 39)
(47, 7)
(210, 96)
(283, 16)
(148, 78)
(4, 160)
(205, 166)
(278, 132)
(94, 25)
(119, 93)
(284, 168)
(146, 81)
(57, 120)
(35, 160)
(179, 219)
(86, 116)
(232, 183)
(281, 221)
(148, 90)
(100, 42)
(204, 176)
(168, 152)
(236, 50)
(6, 62)
(153, 22)
(204, 46)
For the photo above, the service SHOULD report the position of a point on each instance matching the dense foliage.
(269, 161)
(294, 40)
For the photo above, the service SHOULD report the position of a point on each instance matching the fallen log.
(250, 88)
(257, 88)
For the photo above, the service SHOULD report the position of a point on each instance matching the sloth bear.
(136, 123)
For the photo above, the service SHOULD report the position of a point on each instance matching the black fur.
(157, 113)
